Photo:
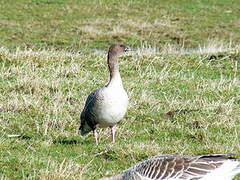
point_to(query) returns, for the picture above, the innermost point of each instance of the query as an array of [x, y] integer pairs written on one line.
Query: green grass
[[184, 101], [81, 25]]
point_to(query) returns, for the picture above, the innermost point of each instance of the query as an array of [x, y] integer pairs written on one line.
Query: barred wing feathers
[[177, 167]]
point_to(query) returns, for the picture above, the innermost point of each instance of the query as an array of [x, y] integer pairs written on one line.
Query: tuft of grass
[[63, 170], [180, 102]]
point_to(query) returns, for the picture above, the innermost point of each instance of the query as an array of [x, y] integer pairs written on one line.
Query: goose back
[[174, 167]]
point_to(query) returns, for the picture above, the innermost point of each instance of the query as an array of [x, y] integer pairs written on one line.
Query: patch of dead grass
[[67, 169]]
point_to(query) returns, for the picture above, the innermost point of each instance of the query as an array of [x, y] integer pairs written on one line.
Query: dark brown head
[[117, 49]]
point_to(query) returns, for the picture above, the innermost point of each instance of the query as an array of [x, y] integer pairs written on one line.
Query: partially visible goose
[[175, 167], [106, 106]]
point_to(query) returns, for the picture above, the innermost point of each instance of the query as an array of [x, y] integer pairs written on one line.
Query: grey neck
[[115, 78]]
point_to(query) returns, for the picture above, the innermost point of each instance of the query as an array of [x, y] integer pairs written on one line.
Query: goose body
[[175, 167], [106, 106], [113, 107], [109, 105]]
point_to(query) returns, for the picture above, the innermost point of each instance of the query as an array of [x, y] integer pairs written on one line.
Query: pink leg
[[95, 134], [113, 130]]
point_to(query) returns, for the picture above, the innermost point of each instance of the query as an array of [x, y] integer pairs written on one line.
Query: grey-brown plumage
[[106, 106], [175, 167]]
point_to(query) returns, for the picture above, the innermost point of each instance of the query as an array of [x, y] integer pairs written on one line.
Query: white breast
[[113, 107]]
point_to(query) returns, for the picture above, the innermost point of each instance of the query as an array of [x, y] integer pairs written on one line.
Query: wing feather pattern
[[178, 167], [88, 115]]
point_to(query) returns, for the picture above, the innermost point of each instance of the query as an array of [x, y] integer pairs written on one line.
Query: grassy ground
[[179, 103], [184, 101], [80, 24]]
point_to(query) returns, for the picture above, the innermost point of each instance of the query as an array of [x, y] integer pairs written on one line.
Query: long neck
[[115, 78]]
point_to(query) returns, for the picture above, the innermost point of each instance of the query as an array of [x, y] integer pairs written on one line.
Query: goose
[[106, 106], [176, 167]]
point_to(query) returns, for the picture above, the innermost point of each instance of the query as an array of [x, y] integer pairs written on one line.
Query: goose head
[[117, 49]]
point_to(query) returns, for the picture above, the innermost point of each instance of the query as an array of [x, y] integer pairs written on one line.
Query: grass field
[[182, 77], [82, 25]]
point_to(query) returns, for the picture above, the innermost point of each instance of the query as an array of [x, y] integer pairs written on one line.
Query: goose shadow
[[70, 142]]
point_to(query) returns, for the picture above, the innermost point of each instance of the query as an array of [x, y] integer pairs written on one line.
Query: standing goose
[[175, 167], [106, 106]]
